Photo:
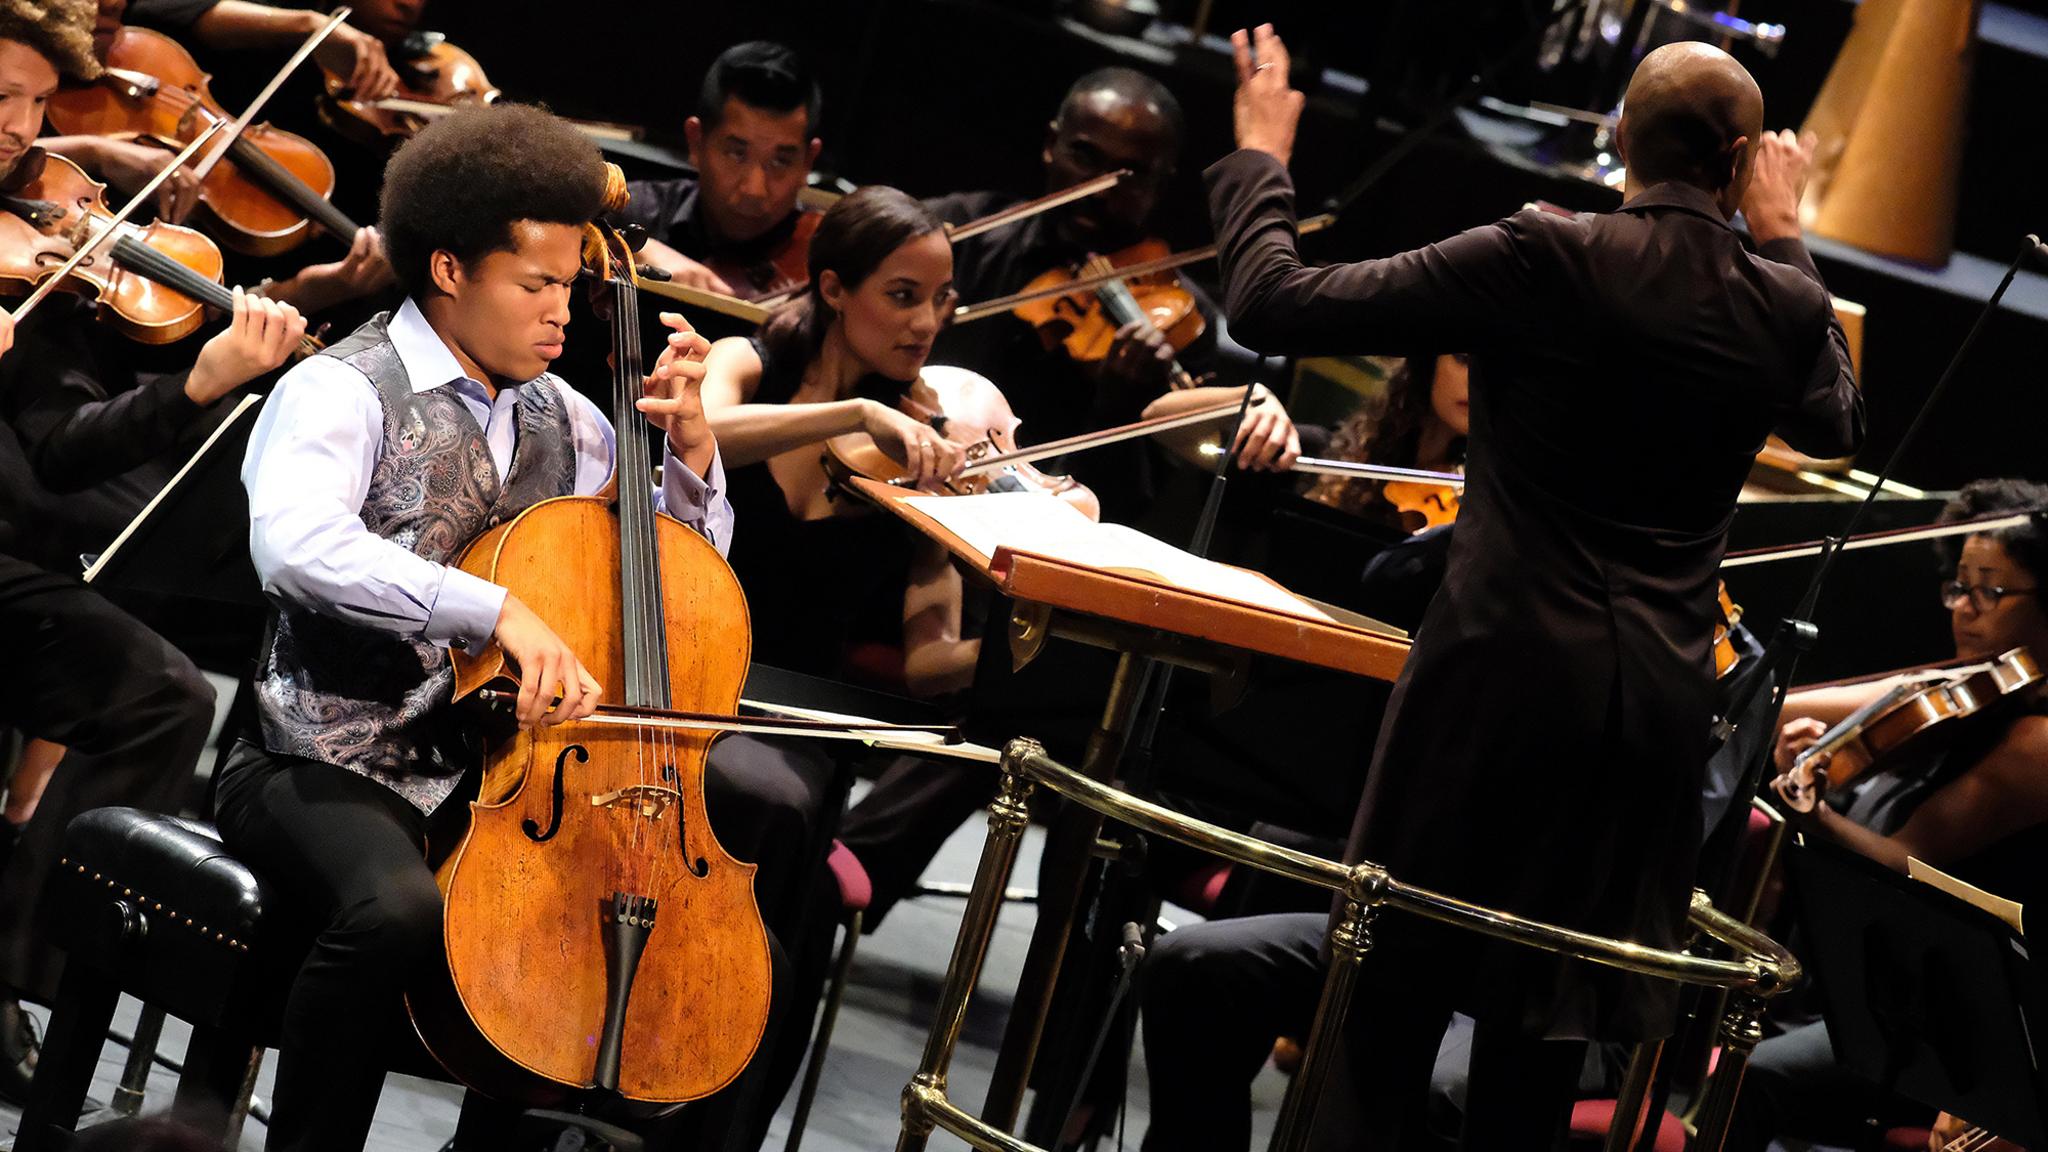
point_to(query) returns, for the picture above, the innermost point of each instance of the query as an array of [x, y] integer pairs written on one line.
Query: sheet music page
[[1968, 893], [1048, 526]]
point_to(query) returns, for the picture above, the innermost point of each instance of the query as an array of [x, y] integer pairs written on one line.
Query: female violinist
[[836, 361], [1978, 809], [1420, 421]]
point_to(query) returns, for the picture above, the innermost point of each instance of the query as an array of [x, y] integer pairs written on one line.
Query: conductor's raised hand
[[1777, 181], [674, 401], [1267, 108]]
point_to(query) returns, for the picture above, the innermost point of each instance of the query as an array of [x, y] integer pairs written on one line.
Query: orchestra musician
[[753, 140], [1978, 809], [1110, 119], [1544, 748], [1419, 422], [371, 463], [79, 408]]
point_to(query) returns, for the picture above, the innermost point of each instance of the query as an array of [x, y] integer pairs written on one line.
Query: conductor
[[1544, 745]]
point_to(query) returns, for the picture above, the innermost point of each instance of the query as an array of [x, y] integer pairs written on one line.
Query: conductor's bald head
[[1693, 114]]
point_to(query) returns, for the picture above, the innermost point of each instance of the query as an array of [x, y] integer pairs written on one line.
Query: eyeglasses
[[1983, 597]]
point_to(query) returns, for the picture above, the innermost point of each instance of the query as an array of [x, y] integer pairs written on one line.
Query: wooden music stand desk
[[1140, 618]]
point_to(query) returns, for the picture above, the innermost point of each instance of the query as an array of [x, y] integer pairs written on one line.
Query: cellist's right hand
[[927, 456], [547, 668]]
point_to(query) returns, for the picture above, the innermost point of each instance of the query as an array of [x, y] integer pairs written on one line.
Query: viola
[[1913, 716], [597, 935], [51, 208], [1084, 322], [782, 270], [968, 409], [265, 196], [435, 78]]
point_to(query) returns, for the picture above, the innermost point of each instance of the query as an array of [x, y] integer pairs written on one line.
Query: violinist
[[737, 227], [1544, 747], [1109, 119], [1978, 809], [128, 711], [356, 49], [370, 465], [1420, 421]]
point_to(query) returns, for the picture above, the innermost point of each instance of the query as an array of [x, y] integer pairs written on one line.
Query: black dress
[[1544, 747], [814, 587]]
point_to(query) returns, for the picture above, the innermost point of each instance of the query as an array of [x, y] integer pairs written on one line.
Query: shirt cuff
[[685, 495], [465, 611]]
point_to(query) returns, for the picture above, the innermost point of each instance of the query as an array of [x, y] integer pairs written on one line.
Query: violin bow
[[1002, 304], [1086, 440], [248, 115], [84, 251], [1881, 539], [1014, 214]]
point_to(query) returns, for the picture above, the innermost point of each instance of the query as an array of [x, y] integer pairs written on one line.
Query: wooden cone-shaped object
[[1890, 127]]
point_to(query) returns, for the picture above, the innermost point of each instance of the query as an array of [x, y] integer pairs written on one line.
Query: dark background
[[944, 95]]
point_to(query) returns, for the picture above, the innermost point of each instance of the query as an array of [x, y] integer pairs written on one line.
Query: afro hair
[[461, 184]]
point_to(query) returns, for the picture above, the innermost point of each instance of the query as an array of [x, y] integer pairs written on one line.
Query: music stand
[[1925, 995]]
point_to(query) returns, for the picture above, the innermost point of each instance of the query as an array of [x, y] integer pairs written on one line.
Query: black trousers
[[132, 711], [1796, 1089], [1216, 995]]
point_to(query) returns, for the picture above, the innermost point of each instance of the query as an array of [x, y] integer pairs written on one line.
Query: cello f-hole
[[532, 828]]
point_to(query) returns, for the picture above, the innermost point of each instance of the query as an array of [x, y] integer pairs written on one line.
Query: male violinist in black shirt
[[753, 141], [1110, 119]]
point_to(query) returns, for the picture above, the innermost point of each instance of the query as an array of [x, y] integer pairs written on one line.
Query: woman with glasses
[[1978, 810]]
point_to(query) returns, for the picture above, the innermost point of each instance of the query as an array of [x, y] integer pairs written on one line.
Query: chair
[[856, 892]]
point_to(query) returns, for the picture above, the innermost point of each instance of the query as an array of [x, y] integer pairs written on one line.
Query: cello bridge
[[649, 800]]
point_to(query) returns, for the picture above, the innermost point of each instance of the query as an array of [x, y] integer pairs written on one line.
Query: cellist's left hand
[[674, 402]]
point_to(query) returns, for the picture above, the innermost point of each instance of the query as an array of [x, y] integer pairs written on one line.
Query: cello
[[598, 937]]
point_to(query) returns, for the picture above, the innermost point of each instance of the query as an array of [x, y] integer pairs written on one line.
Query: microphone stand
[[1793, 637]]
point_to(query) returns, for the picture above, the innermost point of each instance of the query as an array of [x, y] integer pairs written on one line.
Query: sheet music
[[1048, 526], [1968, 893], [248, 401]]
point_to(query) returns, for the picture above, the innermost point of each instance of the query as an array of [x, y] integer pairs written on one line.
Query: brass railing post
[[1007, 816], [1350, 940], [1741, 1029]]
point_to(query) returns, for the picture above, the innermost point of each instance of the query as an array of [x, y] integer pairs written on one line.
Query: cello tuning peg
[[634, 235]]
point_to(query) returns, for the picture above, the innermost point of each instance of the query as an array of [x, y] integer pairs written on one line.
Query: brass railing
[[1760, 969]]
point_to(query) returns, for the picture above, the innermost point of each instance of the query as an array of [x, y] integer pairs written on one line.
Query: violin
[[784, 269], [1914, 716], [51, 208], [1726, 655], [968, 409], [435, 78], [264, 197], [1084, 322], [1422, 505], [597, 935]]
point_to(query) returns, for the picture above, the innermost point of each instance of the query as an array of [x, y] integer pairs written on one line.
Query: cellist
[[371, 465]]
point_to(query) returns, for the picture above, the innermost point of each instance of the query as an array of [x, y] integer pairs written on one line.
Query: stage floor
[[875, 1046]]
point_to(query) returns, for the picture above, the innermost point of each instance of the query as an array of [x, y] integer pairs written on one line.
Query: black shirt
[[88, 409]]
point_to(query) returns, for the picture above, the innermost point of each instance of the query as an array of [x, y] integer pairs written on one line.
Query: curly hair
[[461, 184], [1387, 431], [61, 30], [2027, 543]]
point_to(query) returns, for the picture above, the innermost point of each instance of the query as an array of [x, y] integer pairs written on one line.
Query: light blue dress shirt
[[308, 470]]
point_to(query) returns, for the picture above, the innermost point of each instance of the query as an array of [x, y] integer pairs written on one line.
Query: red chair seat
[[856, 891], [1592, 1118]]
